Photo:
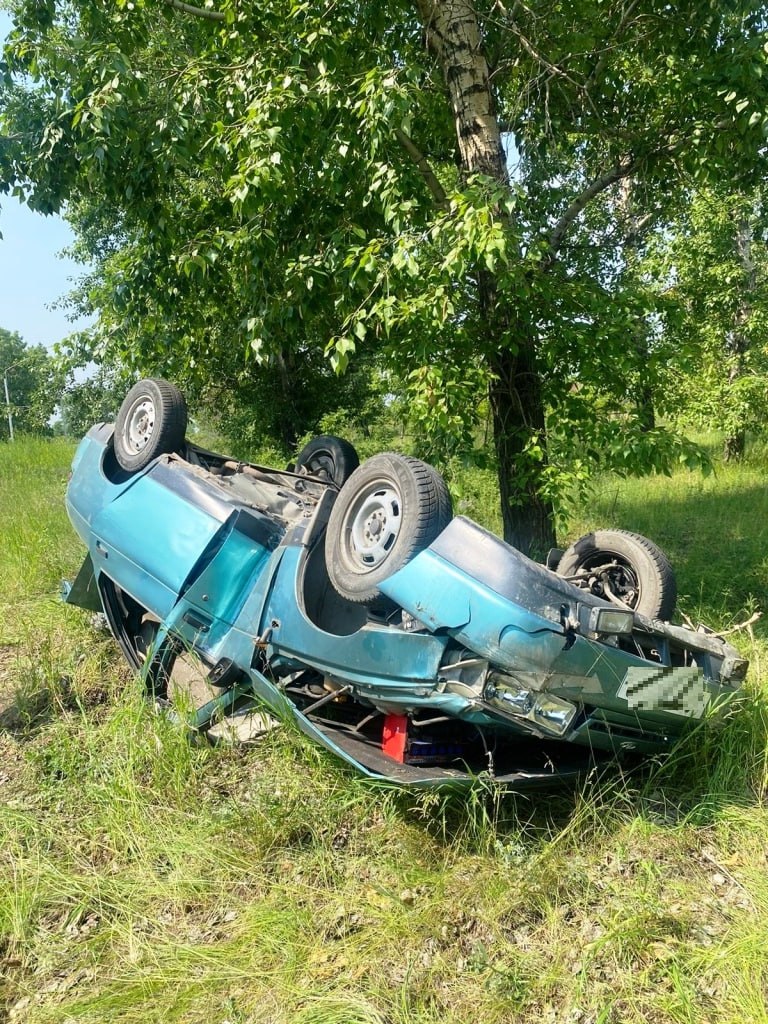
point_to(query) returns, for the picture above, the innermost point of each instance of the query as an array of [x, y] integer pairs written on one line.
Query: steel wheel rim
[[373, 526], [139, 424], [624, 583], [618, 573], [321, 465]]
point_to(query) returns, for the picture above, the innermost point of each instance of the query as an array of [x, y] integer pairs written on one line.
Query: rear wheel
[[330, 458], [623, 567], [392, 507], [152, 421]]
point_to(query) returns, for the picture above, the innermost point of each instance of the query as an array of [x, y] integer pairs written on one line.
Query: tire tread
[[342, 451]]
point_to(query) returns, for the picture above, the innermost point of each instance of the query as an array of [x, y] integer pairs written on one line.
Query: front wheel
[[623, 567], [152, 421], [392, 507]]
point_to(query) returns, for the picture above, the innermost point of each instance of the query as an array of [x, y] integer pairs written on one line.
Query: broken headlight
[[544, 710]]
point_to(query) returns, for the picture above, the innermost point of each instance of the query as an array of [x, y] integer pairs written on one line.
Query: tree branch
[[642, 226], [421, 162], [531, 50], [200, 12], [626, 166], [559, 231], [602, 59]]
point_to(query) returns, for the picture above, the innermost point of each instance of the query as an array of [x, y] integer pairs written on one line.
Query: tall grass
[[144, 879]]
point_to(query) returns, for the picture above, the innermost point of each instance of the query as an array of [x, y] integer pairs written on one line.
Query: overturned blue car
[[414, 645]]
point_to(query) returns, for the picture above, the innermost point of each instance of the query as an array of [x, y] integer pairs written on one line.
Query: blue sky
[[32, 273]]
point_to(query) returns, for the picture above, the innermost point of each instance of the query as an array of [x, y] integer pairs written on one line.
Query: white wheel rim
[[374, 525], [139, 424]]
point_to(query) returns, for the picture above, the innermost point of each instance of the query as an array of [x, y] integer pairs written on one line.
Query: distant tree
[[712, 265], [92, 399], [34, 385]]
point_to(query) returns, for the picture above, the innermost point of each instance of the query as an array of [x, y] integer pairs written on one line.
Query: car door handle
[[199, 622]]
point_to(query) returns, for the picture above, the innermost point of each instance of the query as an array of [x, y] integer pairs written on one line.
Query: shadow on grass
[[716, 766], [26, 710], [36, 688]]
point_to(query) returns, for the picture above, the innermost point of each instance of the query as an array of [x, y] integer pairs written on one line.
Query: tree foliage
[[33, 382], [711, 264], [266, 185], [93, 397]]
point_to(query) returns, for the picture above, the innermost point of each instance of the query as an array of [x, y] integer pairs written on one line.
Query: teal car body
[[476, 661]]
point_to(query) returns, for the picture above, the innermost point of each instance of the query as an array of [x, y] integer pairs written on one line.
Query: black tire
[[633, 567], [330, 458], [444, 500], [392, 507], [152, 421]]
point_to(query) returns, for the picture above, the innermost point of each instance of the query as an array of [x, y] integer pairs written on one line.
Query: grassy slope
[[142, 879]]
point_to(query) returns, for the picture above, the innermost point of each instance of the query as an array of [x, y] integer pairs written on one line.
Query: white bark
[[453, 33]]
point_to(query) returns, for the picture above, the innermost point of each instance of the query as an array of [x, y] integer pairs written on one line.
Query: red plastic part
[[394, 737]]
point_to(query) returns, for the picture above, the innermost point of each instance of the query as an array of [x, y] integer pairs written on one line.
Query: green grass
[[144, 879]]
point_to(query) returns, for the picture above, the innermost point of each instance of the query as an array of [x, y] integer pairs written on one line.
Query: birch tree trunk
[[515, 394], [737, 341]]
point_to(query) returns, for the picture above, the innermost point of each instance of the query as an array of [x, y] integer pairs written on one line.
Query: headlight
[[611, 621], [544, 710]]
